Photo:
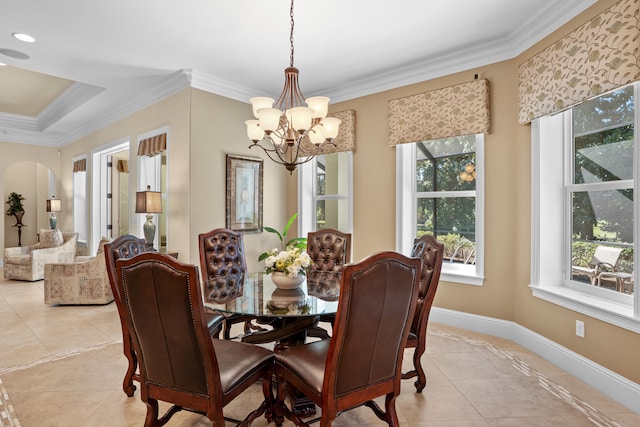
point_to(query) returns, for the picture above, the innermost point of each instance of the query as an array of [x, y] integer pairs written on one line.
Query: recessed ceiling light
[[14, 53], [2, 64], [24, 37]]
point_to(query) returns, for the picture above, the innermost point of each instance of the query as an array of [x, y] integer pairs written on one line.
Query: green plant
[[296, 242], [15, 203]]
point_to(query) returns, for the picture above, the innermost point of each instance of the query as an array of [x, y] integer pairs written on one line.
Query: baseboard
[[617, 387]]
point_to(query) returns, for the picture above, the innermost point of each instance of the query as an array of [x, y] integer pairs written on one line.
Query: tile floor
[[63, 366]]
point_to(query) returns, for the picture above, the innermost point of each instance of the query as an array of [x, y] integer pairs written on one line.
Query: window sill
[[456, 276], [617, 314]]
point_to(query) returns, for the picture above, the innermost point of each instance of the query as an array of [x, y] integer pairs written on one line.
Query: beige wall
[[218, 129]]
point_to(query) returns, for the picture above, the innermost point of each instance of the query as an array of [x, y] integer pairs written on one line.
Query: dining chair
[[123, 247], [363, 358], [431, 252], [223, 266], [180, 363], [329, 250]]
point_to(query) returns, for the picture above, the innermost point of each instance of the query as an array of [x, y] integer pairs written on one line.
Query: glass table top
[[257, 295]]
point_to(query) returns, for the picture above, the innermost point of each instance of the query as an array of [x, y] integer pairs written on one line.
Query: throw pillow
[[50, 238], [103, 242]]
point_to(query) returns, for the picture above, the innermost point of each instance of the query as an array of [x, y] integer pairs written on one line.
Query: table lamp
[[149, 202], [53, 205]]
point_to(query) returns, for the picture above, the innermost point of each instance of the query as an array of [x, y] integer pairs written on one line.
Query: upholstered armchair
[[27, 262], [84, 281]]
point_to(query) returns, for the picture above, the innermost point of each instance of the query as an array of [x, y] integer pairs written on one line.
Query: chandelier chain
[[291, 34]]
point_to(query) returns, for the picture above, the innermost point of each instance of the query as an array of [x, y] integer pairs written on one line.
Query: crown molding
[[73, 97], [171, 85], [546, 21], [212, 84], [18, 122]]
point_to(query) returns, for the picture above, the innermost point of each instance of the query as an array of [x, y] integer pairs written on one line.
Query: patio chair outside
[[605, 258]]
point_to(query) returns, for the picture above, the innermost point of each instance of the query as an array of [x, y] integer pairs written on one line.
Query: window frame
[[307, 195], [406, 206], [552, 150], [81, 203]]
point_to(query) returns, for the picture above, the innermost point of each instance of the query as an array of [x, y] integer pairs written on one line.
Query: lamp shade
[[54, 205], [148, 201]]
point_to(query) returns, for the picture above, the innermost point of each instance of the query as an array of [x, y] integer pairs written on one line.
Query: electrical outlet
[[580, 328]]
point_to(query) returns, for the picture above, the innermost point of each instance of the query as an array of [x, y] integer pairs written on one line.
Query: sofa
[[27, 262], [81, 282]]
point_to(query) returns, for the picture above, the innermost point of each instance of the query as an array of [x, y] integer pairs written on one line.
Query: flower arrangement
[[292, 261]]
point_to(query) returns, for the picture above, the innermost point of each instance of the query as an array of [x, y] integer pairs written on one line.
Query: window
[[325, 188], [440, 192], [80, 206], [584, 208]]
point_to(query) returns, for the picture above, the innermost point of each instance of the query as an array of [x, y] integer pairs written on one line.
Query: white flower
[[270, 261], [291, 261]]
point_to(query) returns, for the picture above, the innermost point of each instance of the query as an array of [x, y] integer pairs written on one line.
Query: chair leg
[[418, 371], [127, 385], [151, 419], [421, 382], [390, 408]]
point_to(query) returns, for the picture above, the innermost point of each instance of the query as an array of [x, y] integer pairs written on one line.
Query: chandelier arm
[[279, 150]]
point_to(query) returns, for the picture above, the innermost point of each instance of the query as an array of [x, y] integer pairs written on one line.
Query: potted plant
[[15, 206], [287, 265]]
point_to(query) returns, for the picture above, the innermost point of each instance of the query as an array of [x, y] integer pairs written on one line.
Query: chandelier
[[289, 132]]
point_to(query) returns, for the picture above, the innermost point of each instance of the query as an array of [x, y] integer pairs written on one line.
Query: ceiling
[[96, 62]]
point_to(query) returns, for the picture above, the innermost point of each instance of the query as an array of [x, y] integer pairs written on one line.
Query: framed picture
[[244, 194]]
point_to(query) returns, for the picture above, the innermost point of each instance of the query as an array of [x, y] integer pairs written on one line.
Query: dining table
[[273, 314]]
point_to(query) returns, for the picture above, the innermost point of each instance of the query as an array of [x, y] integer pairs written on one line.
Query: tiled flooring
[[63, 366]]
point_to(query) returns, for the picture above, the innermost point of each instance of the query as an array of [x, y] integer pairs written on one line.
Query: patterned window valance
[[599, 56], [451, 111], [123, 166], [80, 165], [152, 146], [346, 139]]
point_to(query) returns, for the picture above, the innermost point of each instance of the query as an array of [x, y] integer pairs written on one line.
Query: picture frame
[[244, 203]]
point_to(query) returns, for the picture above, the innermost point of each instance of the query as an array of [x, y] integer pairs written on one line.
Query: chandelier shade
[[291, 130]]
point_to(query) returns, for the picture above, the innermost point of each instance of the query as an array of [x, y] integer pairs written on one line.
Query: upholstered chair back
[[363, 359], [223, 264], [431, 252], [329, 249], [124, 247], [377, 303], [160, 346], [179, 361]]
